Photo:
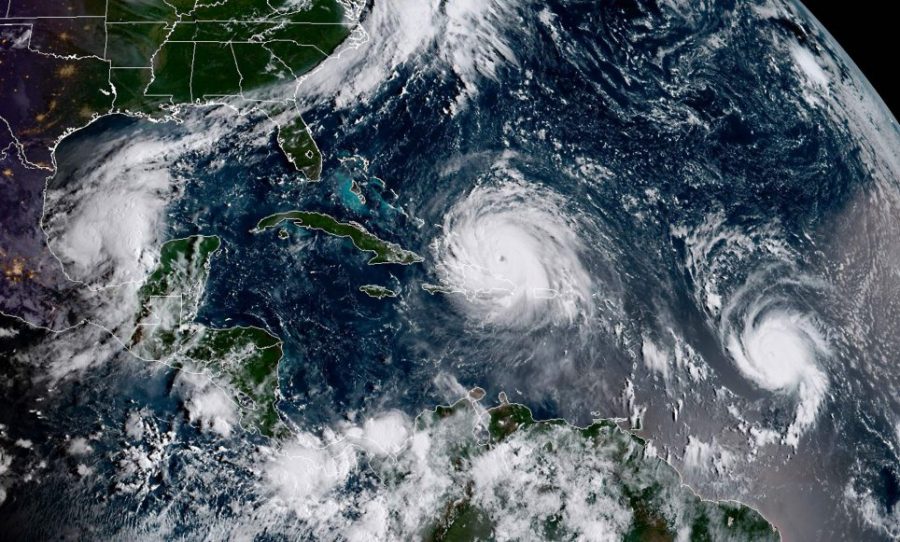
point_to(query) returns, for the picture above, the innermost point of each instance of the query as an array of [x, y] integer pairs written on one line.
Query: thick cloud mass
[[514, 256]]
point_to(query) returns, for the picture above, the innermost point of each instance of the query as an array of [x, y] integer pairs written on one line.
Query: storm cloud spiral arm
[[779, 347], [515, 258]]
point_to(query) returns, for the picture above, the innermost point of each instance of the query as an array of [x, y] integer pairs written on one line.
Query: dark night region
[[869, 36]]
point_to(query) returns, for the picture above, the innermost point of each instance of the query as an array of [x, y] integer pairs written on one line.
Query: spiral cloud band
[[514, 257], [778, 348]]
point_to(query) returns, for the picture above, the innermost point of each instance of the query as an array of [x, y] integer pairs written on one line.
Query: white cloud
[[773, 339], [707, 457], [512, 254], [134, 425], [873, 514], [656, 357], [5, 462], [106, 218], [70, 353], [340, 486], [779, 349], [686, 358], [309, 469], [809, 67], [79, 446], [206, 404], [142, 460], [762, 436], [465, 36], [523, 485], [386, 434]]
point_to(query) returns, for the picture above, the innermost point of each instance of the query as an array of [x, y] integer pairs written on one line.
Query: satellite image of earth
[[444, 270]]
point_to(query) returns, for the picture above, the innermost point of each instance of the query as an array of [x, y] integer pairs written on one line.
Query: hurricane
[[779, 347], [514, 258]]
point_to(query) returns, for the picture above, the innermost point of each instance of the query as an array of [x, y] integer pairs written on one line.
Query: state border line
[[8, 18], [30, 27], [225, 21], [27, 17], [106, 32]]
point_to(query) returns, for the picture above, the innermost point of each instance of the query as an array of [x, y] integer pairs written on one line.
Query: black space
[[867, 30]]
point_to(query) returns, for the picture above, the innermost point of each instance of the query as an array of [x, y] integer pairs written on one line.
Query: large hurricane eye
[[514, 255]]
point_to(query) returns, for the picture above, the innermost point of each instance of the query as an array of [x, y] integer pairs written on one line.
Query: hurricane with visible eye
[[514, 257], [779, 347]]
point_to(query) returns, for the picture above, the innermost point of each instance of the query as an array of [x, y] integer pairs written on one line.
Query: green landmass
[[182, 263], [384, 251], [297, 142], [377, 291], [146, 57], [242, 359], [661, 508]]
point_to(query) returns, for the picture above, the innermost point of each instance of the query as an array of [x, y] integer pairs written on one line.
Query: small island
[[362, 239], [436, 289], [377, 291]]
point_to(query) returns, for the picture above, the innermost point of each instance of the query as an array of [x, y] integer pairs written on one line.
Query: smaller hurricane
[[778, 347], [514, 255]]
